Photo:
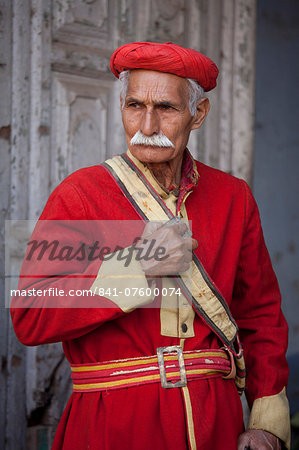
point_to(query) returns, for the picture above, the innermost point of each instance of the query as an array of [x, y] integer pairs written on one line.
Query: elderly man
[[185, 331]]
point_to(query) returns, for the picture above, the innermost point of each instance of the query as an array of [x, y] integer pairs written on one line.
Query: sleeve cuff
[[272, 414], [124, 284]]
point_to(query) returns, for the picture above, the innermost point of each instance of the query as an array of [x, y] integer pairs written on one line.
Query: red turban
[[166, 57]]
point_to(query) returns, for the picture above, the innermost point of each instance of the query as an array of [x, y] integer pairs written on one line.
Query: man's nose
[[150, 122]]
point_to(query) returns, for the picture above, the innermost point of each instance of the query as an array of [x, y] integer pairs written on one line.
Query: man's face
[[157, 102]]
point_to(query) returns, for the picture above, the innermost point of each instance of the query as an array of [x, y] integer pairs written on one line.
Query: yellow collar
[[189, 173]]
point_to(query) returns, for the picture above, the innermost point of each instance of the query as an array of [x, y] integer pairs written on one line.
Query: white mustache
[[155, 140]]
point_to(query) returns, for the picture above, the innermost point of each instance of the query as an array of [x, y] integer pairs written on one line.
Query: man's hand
[[177, 254], [258, 440]]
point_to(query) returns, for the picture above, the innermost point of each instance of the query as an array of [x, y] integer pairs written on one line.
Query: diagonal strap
[[226, 334], [201, 292]]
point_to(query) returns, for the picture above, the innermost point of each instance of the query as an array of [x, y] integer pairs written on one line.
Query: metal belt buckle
[[161, 362]]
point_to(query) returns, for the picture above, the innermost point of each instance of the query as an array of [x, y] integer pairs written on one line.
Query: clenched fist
[[169, 252]]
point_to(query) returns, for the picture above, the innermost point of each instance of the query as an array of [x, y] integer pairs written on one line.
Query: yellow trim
[[120, 364], [272, 414], [113, 273], [202, 371], [154, 377], [189, 416], [174, 311], [117, 382], [115, 365]]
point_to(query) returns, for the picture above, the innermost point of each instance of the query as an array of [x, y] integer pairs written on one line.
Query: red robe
[[226, 224]]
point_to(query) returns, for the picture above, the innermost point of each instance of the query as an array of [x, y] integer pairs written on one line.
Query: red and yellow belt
[[171, 366]]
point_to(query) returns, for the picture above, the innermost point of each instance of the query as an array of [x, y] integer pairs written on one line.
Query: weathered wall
[[276, 183], [60, 111], [5, 130]]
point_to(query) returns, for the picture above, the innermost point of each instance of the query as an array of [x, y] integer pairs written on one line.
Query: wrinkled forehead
[[157, 84]]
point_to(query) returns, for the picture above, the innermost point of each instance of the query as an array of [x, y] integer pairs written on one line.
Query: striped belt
[[171, 366]]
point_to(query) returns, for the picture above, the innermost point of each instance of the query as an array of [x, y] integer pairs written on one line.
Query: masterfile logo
[[71, 263]]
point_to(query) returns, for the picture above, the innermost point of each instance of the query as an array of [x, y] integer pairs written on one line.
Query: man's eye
[[133, 105], [166, 107]]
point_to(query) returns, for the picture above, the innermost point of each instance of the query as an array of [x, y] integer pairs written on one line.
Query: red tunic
[[226, 224]]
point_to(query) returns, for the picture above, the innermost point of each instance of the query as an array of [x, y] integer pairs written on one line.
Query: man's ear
[[202, 109]]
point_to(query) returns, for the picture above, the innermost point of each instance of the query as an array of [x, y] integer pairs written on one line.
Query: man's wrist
[[271, 413]]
